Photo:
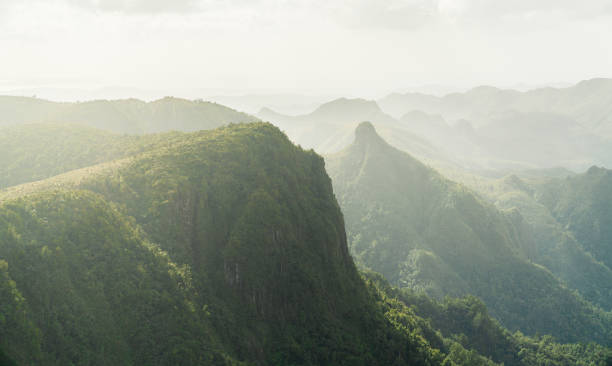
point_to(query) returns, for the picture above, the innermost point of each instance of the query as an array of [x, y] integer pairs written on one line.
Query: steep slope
[[122, 116], [583, 204], [255, 218], [85, 288], [257, 268], [424, 232], [552, 244]]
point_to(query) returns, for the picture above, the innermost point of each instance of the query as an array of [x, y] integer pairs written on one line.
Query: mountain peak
[[343, 103], [345, 110], [366, 133]]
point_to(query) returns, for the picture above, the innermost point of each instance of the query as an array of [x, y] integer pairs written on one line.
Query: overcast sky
[[358, 47]]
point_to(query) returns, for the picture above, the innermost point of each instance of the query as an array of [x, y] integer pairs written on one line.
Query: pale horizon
[[364, 48]]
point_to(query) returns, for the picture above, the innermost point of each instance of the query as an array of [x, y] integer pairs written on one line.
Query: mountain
[[218, 247], [330, 127], [286, 103], [484, 128], [544, 140], [222, 247], [424, 232], [587, 102], [541, 128], [459, 143], [122, 116]]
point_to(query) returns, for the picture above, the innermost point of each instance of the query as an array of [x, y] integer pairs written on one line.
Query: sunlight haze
[[366, 48]]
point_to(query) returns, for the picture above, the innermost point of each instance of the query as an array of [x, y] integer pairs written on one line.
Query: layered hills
[[587, 102], [483, 129], [540, 128]]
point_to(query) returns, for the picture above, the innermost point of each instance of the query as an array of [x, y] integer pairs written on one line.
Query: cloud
[[139, 6], [495, 10], [411, 15], [391, 14]]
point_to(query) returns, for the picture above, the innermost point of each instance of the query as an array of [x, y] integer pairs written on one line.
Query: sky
[[353, 47]]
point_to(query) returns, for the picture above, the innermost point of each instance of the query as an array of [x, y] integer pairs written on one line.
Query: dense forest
[[215, 247], [238, 273]]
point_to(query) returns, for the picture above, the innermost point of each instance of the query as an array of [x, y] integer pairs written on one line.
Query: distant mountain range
[[484, 128], [123, 116], [291, 104], [587, 102]]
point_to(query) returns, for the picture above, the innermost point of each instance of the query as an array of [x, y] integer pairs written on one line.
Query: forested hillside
[[33, 152], [583, 204], [552, 243], [257, 264], [465, 322], [81, 286], [215, 247], [424, 232]]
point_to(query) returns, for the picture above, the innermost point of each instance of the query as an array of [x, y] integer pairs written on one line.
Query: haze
[[366, 48]]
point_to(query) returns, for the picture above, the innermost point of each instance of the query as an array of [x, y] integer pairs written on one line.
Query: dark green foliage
[[256, 219], [548, 241], [37, 151], [17, 333], [258, 266], [5, 360], [583, 204], [33, 152], [89, 290], [468, 332]]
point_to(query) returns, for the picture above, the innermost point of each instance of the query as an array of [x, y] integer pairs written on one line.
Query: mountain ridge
[[130, 116]]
